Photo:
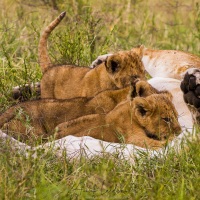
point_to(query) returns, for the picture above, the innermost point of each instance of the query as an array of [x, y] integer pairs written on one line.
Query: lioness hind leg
[[81, 126]]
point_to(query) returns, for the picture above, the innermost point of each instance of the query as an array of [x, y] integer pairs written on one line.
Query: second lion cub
[[68, 81]]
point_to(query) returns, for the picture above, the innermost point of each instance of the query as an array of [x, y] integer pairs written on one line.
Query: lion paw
[[24, 93], [99, 60], [190, 86]]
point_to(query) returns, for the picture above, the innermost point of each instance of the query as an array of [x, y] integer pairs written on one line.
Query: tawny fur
[[168, 64], [44, 59], [40, 117], [68, 81]]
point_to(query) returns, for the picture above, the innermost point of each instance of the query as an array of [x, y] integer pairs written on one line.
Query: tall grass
[[107, 177], [92, 28]]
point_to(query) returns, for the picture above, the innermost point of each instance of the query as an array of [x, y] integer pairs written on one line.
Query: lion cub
[[149, 119], [145, 122], [68, 81]]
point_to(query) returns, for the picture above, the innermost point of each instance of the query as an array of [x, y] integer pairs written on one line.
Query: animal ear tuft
[[141, 50], [167, 94]]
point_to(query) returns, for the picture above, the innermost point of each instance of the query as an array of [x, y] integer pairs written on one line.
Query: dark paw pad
[[188, 83], [190, 98], [191, 87]]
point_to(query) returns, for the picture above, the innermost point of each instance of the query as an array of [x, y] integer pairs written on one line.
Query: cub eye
[[166, 119], [142, 110]]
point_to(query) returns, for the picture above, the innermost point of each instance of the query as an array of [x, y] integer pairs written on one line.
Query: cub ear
[[142, 106], [112, 64], [140, 88], [139, 50], [133, 92]]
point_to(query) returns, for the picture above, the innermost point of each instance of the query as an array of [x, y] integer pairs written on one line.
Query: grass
[[92, 28]]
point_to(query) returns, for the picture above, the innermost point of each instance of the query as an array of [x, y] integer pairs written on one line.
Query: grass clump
[[175, 176]]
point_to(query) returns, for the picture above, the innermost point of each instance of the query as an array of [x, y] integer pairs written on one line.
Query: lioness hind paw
[[191, 81], [190, 86]]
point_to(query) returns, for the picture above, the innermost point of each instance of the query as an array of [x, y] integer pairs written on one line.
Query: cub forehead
[[164, 103], [167, 109]]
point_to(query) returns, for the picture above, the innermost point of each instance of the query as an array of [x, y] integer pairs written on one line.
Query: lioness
[[67, 81], [152, 118]]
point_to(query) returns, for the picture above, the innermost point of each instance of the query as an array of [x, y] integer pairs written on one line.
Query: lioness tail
[[44, 59]]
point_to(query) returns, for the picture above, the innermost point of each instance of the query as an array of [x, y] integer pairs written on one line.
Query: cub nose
[[177, 130]]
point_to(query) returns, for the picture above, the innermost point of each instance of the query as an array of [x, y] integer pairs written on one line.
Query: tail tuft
[[62, 15]]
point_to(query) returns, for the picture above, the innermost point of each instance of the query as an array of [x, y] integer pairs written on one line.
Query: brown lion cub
[[68, 81], [146, 122], [149, 119]]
